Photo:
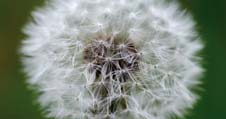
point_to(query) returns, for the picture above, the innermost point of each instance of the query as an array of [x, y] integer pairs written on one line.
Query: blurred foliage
[[17, 102]]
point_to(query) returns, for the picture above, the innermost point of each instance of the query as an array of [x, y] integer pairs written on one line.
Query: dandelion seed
[[112, 59]]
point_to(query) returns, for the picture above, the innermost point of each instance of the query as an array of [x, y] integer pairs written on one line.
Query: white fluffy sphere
[[112, 59]]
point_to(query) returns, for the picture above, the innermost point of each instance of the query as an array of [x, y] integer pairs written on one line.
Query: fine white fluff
[[164, 35]]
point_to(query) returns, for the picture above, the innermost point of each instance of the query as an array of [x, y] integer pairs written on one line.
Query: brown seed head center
[[113, 64]]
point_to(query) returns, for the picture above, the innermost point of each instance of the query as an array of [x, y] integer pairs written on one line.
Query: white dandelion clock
[[112, 59]]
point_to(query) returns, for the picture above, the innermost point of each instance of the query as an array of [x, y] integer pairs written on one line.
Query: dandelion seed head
[[108, 59]]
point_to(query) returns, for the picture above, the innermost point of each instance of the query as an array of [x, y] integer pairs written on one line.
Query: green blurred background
[[17, 102]]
